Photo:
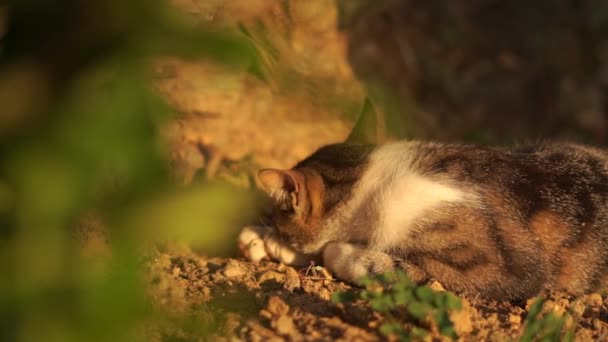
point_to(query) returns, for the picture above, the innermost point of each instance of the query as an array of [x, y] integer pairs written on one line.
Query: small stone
[[563, 302], [206, 293], [285, 326], [492, 318], [233, 269], [277, 306], [462, 318], [577, 307], [271, 276], [594, 299], [265, 314], [436, 286], [514, 319], [557, 308], [292, 279], [324, 294]]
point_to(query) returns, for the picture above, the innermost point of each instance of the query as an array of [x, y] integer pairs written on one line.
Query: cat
[[493, 222]]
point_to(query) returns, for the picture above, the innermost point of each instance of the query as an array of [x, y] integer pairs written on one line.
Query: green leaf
[[402, 278], [343, 297], [535, 309], [425, 294], [449, 332], [418, 310], [418, 332], [390, 328], [453, 302], [403, 297], [386, 278], [382, 304], [367, 282]]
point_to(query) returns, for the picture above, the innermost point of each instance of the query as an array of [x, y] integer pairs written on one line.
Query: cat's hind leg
[[351, 262]]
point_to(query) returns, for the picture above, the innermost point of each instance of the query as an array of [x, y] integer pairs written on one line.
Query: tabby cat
[[496, 222]]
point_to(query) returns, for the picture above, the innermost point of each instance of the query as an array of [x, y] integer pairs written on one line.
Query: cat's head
[[297, 211], [306, 198]]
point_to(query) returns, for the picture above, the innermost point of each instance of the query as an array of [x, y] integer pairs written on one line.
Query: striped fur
[[502, 223]]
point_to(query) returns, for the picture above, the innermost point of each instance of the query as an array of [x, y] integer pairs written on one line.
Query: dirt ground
[[234, 300], [228, 125]]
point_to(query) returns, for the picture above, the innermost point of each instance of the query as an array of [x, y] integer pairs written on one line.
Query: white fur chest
[[397, 194]]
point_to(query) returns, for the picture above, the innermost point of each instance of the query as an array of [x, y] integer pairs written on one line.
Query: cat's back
[[506, 222], [542, 209], [535, 163]]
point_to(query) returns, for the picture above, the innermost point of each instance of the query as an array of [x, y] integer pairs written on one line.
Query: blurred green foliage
[[79, 132], [545, 326], [398, 298]]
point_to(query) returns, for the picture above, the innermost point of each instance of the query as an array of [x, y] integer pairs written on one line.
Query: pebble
[[272, 276], [577, 307], [265, 314], [277, 306], [436, 286], [515, 319], [292, 279], [595, 299], [233, 269], [285, 326], [462, 318], [324, 294]]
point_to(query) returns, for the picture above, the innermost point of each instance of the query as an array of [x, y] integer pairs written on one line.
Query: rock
[[563, 302], [577, 307], [462, 318], [281, 320], [285, 326], [324, 294], [594, 299], [292, 279], [271, 276], [233, 269], [514, 319], [265, 314], [436, 286], [277, 306]]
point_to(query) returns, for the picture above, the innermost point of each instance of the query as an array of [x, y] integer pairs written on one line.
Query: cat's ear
[[370, 126], [281, 186]]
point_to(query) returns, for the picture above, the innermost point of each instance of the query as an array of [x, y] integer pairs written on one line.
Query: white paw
[[340, 258], [351, 262], [251, 243], [258, 243], [283, 253]]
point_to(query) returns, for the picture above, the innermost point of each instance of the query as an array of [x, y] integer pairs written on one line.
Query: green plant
[[398, 298], [545, 326], [78, 131]]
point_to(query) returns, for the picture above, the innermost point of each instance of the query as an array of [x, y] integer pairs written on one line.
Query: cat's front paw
[[251, 243], [280, 251], [259, 243]]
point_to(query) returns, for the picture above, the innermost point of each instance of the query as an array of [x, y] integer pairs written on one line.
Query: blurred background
[[129, 126]]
